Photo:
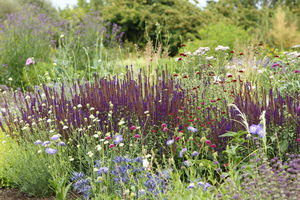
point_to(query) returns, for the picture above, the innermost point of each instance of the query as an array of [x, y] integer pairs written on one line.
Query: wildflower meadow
[[85, 113]]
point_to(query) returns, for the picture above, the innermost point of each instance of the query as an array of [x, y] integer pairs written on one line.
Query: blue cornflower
[[51, 151], [77, 175], [170, 142], [55, 137], [102, 170], [195, 153], [61, 144], [191, 186], [257, 129], [253, 129], [46, 143], [118, 139], [38, 142], [187, 163], [190, 128], [182, 152], [205, 186]]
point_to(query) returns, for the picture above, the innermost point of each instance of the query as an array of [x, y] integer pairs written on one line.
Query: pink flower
[[165, 129], [296, 71], [111, 146], [208, 142], [164, 125], [137, 136], [181, 131], [199, 145], [177, 138], [298, 140], [29, 61], [133, 128], [108, 138], [213, 146]]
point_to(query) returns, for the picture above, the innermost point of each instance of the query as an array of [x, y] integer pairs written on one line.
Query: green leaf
[[283, 145]]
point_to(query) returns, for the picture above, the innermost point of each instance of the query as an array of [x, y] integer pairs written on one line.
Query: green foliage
[[166, 19], [223, 34], [27, 169], [22, 37]]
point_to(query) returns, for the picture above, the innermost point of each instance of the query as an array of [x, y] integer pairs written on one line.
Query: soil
[[15, 194]]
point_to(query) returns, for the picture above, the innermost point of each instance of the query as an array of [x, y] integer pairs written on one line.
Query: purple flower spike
[[51, 151]]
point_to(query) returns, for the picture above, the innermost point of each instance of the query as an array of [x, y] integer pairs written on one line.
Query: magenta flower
[[29, 61], [208, 142], [213, 146], [108, 138], [165, 129], [177, 138], [137, 136], [133, 128], [111, 146], [164, 125], [298, 140], [296, 71]]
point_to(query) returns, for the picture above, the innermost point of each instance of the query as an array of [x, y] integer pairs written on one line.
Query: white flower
[[260, 71], [92, 108], [10, 79], [95, 136], [146, 164], [61, 36], [65, 127], [90, 154], [127, 191], [79, 106], [105, 142], [102, 140], [148, 156], [40, 151], [121, 144], [271, 77], [71, 159], [3, 141], [217, 79], [146, 112], [92, 116], [209, 58], [95, 169], [49, 120], [27, 97], [98, 147]]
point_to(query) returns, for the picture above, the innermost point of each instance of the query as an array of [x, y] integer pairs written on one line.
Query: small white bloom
[[127, 191], [27, 97], [102, 140], [61, 36], [65, 127], [49, 120], [71, 159], [79, 106], [209, 58], [121, 144], [98, 147], [90, 154], [146, 164], [3, 141], [92, 108], [146, 112], [39, 151], [271, 77], [10, 79], [95, 136], [148, 156], [92, 116], [95, 169], [105, 142]]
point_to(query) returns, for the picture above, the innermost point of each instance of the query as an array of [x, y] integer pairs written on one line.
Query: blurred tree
[[8, 6], [164, 20]]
